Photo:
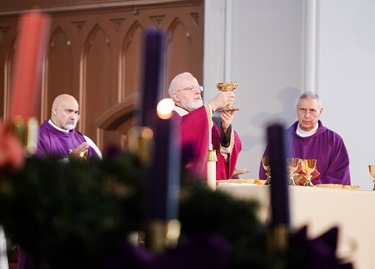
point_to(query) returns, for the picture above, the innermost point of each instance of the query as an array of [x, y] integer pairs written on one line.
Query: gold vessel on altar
[[371, 168], [226, 87]]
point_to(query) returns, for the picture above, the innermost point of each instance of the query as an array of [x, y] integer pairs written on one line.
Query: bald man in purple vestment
[[198, 129], [310, 139], [58, 137]]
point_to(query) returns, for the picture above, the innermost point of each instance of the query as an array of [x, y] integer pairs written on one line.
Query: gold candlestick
[[163, 234], [27, 133], [140, 143]]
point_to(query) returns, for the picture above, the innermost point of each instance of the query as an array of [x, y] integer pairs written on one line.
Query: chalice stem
[[308, 181], [268, 174]]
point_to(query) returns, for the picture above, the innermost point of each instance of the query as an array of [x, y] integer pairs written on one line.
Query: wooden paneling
[[95, 54]]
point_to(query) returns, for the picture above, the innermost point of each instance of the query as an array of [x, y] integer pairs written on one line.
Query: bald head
[[64, 98], [65, 112]]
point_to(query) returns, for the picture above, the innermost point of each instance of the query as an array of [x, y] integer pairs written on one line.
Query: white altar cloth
[[322, 209]]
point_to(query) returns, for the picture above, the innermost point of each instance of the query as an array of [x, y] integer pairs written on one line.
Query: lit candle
[[279, 183], [165, 172], [3, 249], [211, 168], [153, 55], [30, 48]]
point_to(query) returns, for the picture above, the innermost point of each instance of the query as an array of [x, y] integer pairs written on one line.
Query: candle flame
[[164, 108]]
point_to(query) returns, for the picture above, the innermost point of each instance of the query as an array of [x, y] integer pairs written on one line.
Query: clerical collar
[[303, 133], [56, 127], [180, 111]]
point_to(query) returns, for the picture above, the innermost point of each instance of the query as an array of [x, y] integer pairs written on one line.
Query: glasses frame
[[305, 111], [191, 89]]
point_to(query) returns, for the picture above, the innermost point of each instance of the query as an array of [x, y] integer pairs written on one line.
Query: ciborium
[[371, 169], [226, 87], [308, 167], [292, 168], [267, 168]]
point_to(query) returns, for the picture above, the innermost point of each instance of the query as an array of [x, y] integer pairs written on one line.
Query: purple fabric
[[327, 147], [203, 252], [129, 256], [26, 261], [207, 251], [52, 142], [315, 253], [211, 251]]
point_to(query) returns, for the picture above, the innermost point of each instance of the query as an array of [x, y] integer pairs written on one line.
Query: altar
[[322, 209]]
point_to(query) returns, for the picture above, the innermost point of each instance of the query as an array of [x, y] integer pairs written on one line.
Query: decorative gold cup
[[292, 168], [267, 167], [308, 167], [226, 87], [371, 169]]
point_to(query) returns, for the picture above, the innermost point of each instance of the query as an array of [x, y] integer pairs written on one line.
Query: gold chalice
[[292, 168], [308, 167], [267, 167], [371, 168], [225, 87]]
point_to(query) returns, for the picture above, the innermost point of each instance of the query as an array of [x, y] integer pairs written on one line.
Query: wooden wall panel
[[179, 41], [95, 54], [96, 77], [8, 34], [58, 69], [131, 61]]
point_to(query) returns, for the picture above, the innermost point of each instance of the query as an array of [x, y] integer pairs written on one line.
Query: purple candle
[[279, 181], [151, 83], [165, 172]]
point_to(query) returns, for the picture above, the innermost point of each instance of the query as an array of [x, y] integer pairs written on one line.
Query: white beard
[[191, 105]]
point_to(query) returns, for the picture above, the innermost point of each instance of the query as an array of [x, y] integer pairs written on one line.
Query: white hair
[[173, 87]]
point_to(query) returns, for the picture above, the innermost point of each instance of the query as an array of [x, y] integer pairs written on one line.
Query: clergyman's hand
[[80, 151], [222, 100], [226, 119]]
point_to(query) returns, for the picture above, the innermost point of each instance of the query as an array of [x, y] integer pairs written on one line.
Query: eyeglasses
[[304, 111], [191, 89]]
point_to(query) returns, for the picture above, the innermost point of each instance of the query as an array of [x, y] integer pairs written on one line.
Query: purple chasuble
[[53, 142], [327, 147]]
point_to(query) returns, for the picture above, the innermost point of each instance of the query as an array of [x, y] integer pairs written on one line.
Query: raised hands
[[80, 151], [222, 100], [226, 118]]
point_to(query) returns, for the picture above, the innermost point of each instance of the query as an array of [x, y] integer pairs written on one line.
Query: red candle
[[30, 48]]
